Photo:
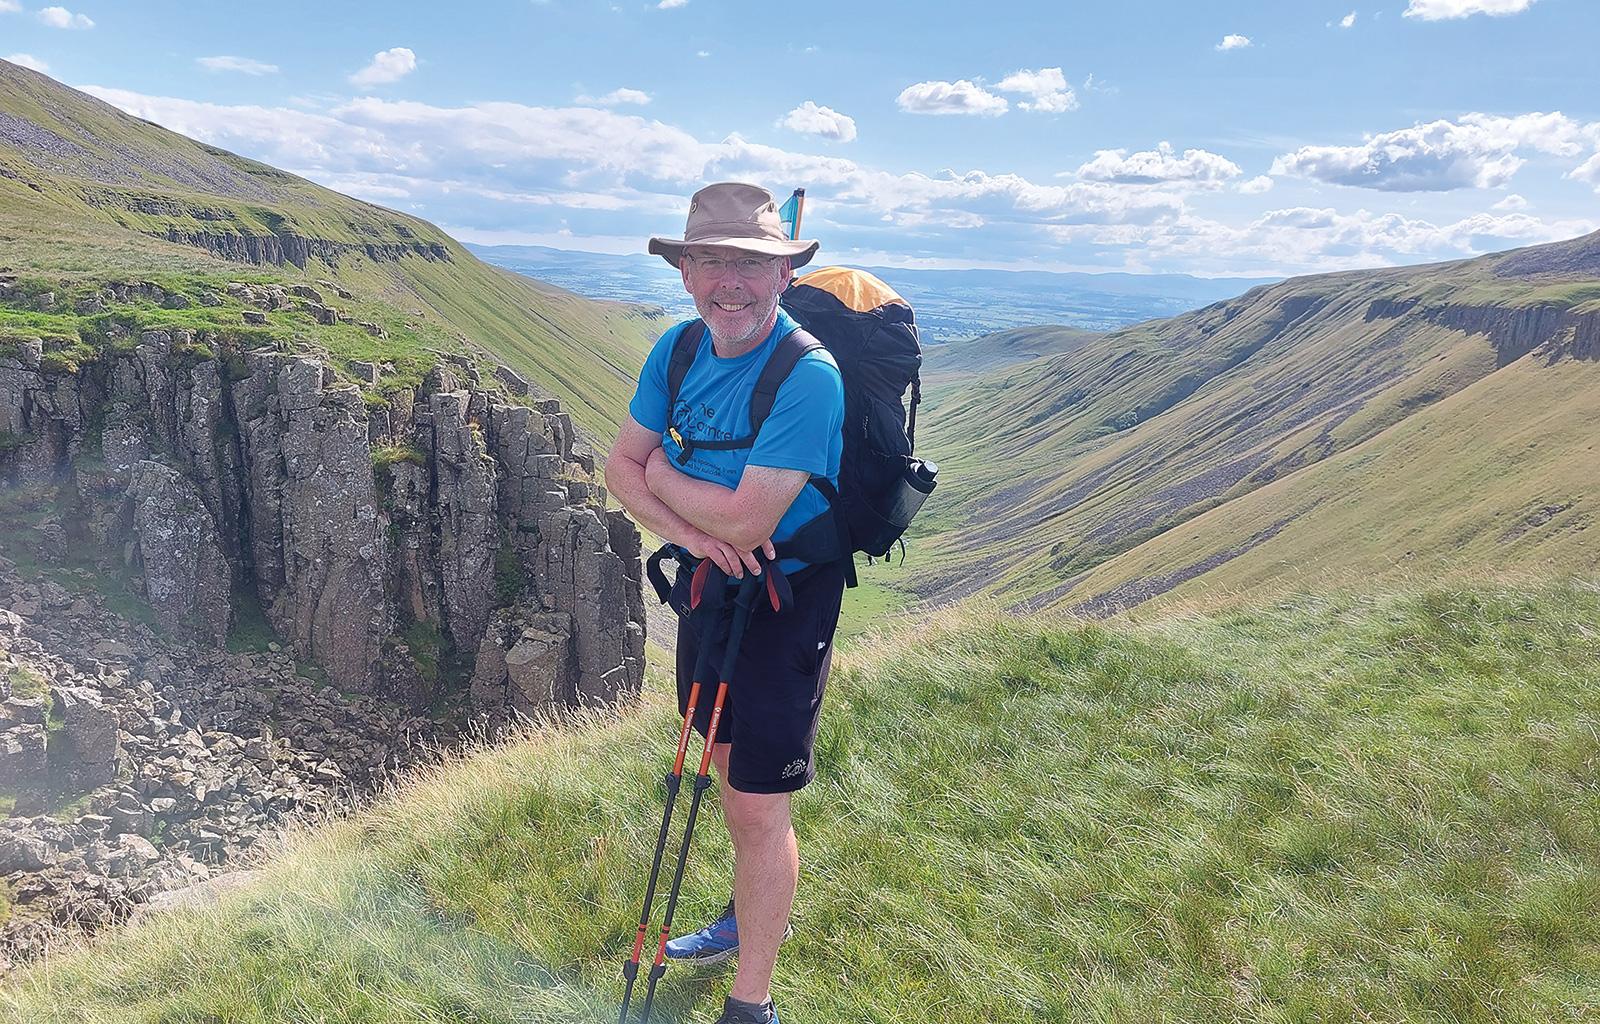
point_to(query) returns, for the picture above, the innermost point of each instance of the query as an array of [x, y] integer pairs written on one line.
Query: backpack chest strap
[[789, 351]]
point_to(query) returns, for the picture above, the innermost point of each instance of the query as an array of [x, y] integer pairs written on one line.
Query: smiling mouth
[[733, 307]]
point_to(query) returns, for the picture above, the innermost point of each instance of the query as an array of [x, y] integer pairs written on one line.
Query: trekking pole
[[741, 618], [630, 970]]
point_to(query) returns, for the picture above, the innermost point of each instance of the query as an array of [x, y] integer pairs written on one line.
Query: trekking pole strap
[[652, 570]]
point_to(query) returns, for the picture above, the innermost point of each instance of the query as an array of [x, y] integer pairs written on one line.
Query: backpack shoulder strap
[[792, 347], [779, 364], [683, 353]]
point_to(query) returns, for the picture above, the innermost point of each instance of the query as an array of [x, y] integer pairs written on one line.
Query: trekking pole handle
[[749, 586]]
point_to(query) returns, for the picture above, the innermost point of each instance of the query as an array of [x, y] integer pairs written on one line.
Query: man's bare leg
[[766, 870]]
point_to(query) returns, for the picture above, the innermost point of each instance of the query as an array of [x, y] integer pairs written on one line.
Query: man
[[726, 505]]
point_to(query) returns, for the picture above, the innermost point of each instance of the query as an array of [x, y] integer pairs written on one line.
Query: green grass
[[426, 645], [249, 631], [877, 603], [73, 340], [385, 455], [1329, 809], [510, 581], [26, 683]]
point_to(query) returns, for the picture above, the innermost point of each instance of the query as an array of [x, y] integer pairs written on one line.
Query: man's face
[[737, 303]]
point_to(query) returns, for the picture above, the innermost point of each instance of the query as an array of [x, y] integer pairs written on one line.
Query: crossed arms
[[723, 524]]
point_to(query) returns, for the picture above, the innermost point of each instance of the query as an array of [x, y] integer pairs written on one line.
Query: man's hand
[[727, 557]]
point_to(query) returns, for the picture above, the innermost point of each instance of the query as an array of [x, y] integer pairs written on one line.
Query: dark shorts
[[775, 696]]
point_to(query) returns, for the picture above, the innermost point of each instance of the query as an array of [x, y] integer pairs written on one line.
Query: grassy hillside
[[1501, 474], [1084, 471], [1345, 808], [88, 194], [944, 363]]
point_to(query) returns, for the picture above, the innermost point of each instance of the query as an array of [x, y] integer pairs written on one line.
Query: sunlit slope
[[1501, 475], [88, 191], [1058, 465]]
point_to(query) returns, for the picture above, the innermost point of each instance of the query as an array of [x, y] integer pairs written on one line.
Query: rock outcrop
[[186, 575], [300, 250], [254, 473]]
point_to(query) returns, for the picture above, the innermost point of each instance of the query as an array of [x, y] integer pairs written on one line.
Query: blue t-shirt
[[803, 430]]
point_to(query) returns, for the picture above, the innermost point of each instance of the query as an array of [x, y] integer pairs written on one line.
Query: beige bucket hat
[[737, 215]]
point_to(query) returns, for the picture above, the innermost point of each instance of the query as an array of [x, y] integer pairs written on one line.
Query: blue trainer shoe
[[712, 944]]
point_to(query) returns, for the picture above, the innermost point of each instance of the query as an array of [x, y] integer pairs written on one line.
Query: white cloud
[[28, 60], [1588, 171], [60, 17], [618, 98], [1047, 87], [1511, 202], [1255, 186], [1159, 166], [243, 65], [508, 149], [1092, 84], [1300, 239], [1233, 42], [386, 66], [1348, 20], [608, 173], [1440, 10], [823, 122], [1478, 151], [10, 7], [667, 5], [959, 97], [702, 53]]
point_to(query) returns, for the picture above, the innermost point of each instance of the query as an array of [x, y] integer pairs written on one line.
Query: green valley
[[1348, 425]]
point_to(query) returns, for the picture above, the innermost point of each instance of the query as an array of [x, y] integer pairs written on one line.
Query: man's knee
[[755, 815]]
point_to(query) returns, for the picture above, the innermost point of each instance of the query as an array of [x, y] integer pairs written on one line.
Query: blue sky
[[1218, 138]]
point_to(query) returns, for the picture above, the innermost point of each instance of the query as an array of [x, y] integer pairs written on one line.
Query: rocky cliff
[[440, 512], [237, 588], [300, 250]]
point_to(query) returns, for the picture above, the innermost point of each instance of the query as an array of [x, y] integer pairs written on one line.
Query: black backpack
[[872, 335]]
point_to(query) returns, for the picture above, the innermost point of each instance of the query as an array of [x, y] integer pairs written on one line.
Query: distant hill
[[951, 305], [1355, 423], [1001, 349], [87, 190]]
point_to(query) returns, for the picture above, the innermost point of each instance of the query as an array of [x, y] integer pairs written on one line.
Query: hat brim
[[798, 251]]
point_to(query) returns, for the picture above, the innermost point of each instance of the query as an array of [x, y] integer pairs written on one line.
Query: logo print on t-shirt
[[695, 425]]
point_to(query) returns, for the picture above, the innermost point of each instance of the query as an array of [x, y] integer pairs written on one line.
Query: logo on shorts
[[795, 767]]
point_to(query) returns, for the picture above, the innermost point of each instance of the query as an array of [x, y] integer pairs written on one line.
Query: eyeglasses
[[747, 266]]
